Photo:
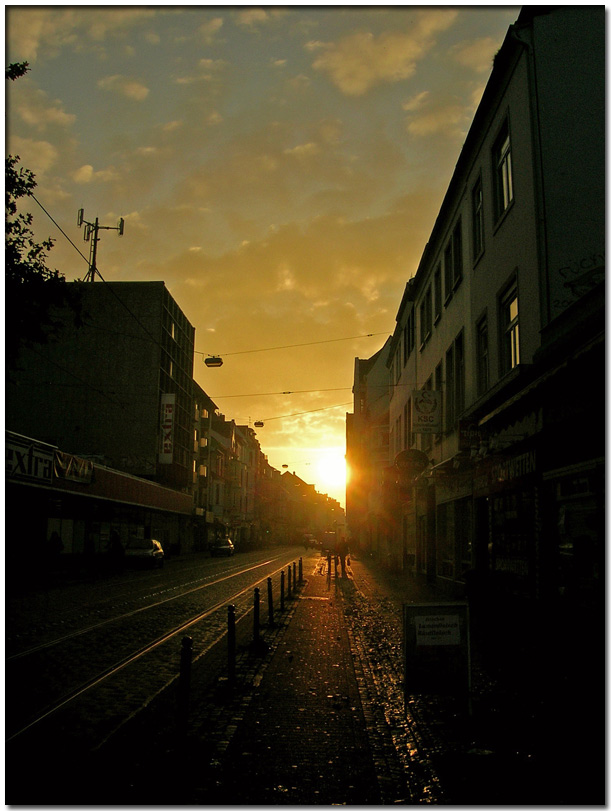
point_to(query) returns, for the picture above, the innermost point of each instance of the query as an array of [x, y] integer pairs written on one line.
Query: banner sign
[[166, 450], [426, 412], [69, 467], [437, 648], [28, 460]]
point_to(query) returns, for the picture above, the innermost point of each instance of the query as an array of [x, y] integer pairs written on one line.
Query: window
[[437, 293], [510, 326], [409, 337], [450, 388], [439, 388], [459, 375], [503, 171], [448, 270], [407, 422], [481, 349], [427, 439], [457, 253], [455, 382], [477, 212], [426, 317], [452, 262]]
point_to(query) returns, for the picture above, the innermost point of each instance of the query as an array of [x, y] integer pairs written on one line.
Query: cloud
[[209, 29], [35, 30], [252, 16], [124, 86], [38, 156], [430, 114], [362, 60], [35, 109], [86, 174], [477, 55]]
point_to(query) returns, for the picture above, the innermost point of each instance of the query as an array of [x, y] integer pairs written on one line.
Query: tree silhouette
[[33, 292]]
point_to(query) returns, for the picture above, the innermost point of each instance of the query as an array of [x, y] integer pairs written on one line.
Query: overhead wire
[[226, 354]]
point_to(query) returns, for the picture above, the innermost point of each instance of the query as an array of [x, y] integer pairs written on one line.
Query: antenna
[[93, 228]]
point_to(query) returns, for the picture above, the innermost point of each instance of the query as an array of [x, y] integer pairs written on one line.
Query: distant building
[[367, 456]]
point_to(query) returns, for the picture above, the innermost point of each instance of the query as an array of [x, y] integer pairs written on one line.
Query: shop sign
[[495, 472], [437, 648], [426, 411], [28, 460], [453, 486], [71, 468], [168, 403], [469, 435]]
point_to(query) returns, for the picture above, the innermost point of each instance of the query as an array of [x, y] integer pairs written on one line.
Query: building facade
[[496, 453], [118, 387]]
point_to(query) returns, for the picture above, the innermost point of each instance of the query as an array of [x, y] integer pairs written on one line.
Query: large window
[[477, 213], [455, 382], [510, 330], [450, 388], [503, 171], [481, 349]]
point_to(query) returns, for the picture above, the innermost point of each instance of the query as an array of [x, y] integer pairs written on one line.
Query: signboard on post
[[426, 411], [437, 648], [166, 449]]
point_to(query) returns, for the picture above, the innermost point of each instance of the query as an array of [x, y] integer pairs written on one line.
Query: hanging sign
[[166, 450], [426, 412]]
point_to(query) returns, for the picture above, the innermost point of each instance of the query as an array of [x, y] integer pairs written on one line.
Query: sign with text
[[27, 459], [437, 648], [166, 450], [426, 412]]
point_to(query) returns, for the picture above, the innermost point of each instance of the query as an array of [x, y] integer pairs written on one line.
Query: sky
[[279, 168]]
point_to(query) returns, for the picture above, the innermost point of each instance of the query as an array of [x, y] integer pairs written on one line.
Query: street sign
[[437, 648]]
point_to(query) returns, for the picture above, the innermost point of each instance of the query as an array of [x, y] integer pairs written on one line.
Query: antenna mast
[[91, 233]]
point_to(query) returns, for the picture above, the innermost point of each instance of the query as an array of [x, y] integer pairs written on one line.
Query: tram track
[[101, 695]]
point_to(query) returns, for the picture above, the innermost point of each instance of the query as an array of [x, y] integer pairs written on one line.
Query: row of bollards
[[186, 653]]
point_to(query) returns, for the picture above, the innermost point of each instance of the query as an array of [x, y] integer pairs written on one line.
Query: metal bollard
[[282, 590], [255, 624], [270, 603], [300, 571], [184, 682], [231, 642], [294, 576], [289, 587]]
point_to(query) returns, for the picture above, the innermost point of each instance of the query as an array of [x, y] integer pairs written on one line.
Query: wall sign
[[437, 648], [426, 412]]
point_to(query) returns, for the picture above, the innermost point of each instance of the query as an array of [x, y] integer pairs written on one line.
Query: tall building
[[496, 364], [118, 388]]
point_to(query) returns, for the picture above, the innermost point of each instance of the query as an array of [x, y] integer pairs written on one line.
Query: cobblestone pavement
[[317, 716]]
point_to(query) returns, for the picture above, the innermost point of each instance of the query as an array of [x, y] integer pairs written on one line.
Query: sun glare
[[331, 468]]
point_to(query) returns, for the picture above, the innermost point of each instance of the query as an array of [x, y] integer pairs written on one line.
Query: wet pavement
[[317, 716]]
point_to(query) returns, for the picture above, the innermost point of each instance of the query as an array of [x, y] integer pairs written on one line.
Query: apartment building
[[496, 449]]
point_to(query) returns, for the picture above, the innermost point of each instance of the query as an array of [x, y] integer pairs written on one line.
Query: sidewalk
[[303, 737]]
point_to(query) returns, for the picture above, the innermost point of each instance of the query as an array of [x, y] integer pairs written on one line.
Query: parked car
[[145, 552], [223, 546]]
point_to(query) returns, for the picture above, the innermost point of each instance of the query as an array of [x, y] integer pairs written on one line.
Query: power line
[[292, 346], [299, 413]]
